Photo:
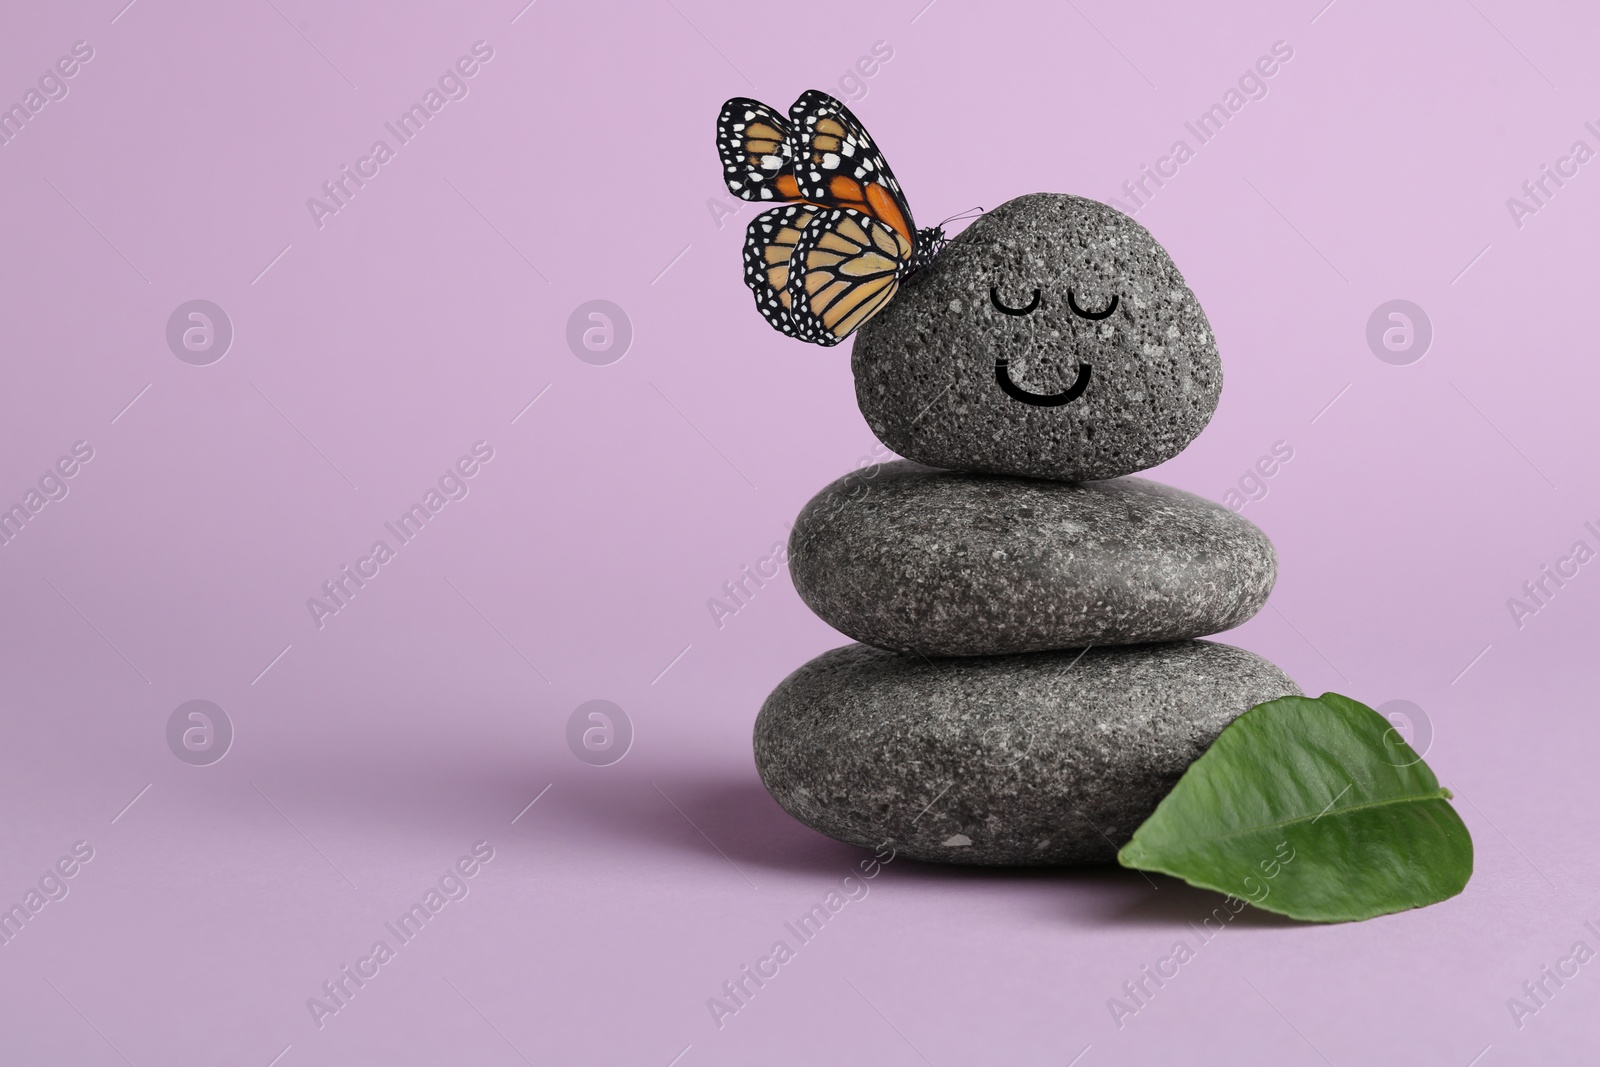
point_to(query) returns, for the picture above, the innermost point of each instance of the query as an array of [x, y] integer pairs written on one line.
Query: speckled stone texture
[[1044, 758], [925, 366], [910, 558]]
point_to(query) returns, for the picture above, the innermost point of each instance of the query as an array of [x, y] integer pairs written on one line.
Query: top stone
[[1054, 338]]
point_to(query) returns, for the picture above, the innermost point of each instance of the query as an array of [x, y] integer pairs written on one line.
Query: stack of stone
[[1029, 684]]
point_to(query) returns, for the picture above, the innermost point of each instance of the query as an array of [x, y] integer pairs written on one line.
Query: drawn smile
[[1002, 374]]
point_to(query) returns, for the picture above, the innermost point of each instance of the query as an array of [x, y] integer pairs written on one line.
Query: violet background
[[426, 715]]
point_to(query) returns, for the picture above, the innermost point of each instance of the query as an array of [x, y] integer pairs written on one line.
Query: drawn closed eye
[[994, 298], [1093, 316]]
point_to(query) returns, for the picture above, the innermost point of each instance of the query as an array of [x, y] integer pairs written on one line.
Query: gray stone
[[1044, 758], [943, 563], [927, 367]]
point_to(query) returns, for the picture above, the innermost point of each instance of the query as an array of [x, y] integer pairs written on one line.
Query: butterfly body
[[843, 239]]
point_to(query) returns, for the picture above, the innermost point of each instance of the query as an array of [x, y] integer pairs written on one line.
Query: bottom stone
[[1036, 759]]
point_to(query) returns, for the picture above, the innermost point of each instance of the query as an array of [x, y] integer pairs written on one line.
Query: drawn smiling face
[[1053, 338], [1002, 363]]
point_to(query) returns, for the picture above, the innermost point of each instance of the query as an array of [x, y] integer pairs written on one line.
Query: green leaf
[[1313, 808]]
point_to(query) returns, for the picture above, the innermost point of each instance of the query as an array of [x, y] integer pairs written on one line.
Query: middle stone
[[913, 559]]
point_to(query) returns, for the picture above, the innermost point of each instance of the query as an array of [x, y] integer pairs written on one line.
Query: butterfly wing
[[834, 254], [836, 163], [757, 150], [844, 268], [769, 245]]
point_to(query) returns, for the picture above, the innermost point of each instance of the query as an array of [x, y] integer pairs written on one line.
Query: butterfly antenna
[[931, 240], [970, 213]]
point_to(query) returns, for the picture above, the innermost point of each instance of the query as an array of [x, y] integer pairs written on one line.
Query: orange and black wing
[[769, 245], [836, 252], [845, 267], [757, 150], [836, 163]]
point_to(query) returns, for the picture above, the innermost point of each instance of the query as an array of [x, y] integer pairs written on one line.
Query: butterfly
[[842, 239]]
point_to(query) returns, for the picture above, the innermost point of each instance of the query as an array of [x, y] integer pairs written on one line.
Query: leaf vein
[[1439, 794]]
